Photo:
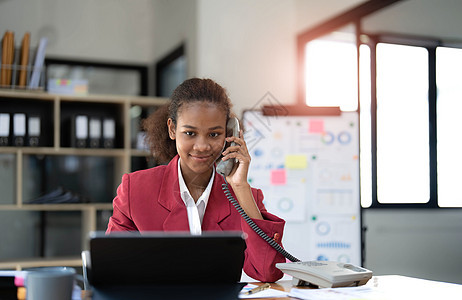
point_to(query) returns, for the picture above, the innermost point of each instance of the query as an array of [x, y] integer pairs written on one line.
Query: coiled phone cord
[[254, 226]]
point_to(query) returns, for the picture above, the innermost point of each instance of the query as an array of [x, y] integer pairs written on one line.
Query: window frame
[[165, 62], [354, 16], [430, 44]]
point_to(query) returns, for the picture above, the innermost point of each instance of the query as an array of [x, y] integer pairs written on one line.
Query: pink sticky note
[[278, 177], [316, 126], [19, 280]]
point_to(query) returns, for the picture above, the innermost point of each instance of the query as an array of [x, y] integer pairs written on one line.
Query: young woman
[[186, 194]]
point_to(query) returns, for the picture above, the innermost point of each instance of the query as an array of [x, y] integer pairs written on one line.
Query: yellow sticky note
[[296, 161]]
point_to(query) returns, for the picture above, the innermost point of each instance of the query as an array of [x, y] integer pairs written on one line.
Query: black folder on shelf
[[33, 130], [79, 131], [109, 133], [5, 129], [94, 132], [19, 129]]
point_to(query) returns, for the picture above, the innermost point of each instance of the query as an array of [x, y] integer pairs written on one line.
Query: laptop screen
[[165, 258]]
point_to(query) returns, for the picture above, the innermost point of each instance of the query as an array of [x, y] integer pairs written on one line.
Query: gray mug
[[51, 283]]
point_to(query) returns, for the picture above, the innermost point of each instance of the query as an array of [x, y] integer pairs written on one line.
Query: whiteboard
[[308, 170]]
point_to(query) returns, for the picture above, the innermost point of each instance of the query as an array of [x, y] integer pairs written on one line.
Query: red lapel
[[169, 197], [218, 207]]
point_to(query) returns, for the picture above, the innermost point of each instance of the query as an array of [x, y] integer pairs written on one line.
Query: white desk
[[388, 287]]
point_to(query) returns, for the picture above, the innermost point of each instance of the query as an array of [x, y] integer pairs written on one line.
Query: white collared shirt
[[196, 210]]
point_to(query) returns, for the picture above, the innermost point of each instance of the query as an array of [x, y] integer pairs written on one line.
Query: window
[[402, 124], [331, 76], [171, 71], [331, 79], [365, 129], [409, 147], [415, 158], [449, 143]]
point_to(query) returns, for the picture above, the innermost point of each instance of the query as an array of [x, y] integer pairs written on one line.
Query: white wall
[[313, 12], [250, 46], [423, 243], [419, 17], [175, 22], [132, 32], [102, 30]]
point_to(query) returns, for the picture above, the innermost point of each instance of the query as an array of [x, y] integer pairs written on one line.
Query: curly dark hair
[[195, 89]]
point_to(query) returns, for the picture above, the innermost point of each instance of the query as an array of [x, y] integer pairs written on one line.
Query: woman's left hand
[[238, 176]]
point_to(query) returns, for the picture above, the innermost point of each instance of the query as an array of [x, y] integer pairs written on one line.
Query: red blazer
[[149, 200]]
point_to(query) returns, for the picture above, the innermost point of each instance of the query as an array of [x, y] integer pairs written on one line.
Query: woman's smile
[[201, 157]]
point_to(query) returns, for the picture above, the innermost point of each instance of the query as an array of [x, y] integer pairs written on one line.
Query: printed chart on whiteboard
[[308, 170]]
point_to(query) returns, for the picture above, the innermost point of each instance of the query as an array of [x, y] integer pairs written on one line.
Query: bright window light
[[402, 124], [449, 143], [331, 74], [365, 125]]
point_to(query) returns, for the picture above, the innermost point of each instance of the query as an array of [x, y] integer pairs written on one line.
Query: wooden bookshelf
[[55, 111]]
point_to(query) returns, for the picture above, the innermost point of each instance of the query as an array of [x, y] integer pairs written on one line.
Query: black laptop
[[166, 264]]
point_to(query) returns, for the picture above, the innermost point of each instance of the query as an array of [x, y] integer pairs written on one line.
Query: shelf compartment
[[140, 155], [92, 178], [8, 174], [69, 110], [42, 234], [39, 107]]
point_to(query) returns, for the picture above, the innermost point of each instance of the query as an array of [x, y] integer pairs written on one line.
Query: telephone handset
[[225, 167]]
